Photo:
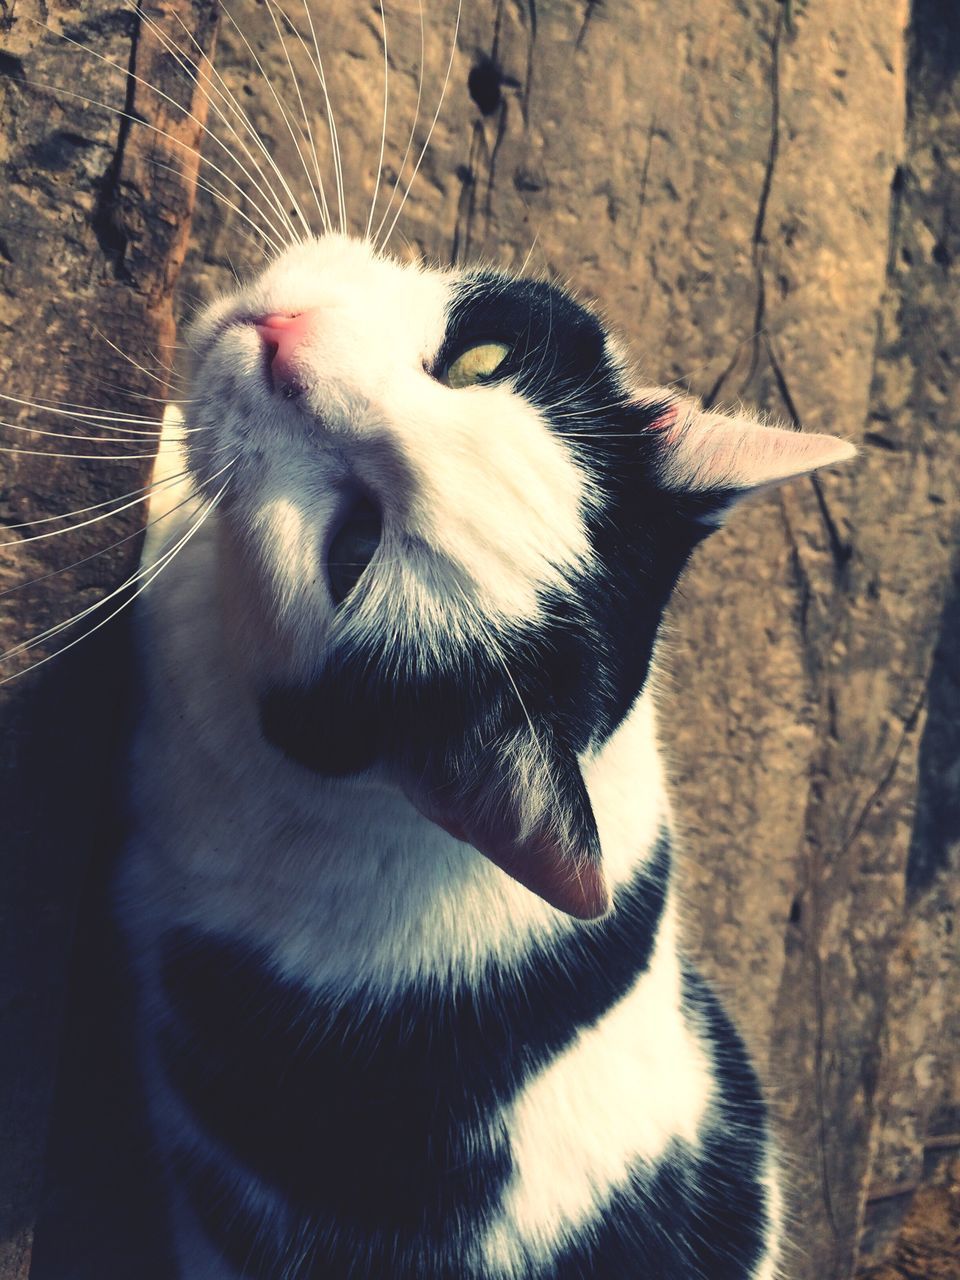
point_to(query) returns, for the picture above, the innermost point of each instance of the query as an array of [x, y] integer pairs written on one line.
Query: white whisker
[[283, 114], [137, 437], [495, 648], [145, 124], [331, 122], [97, 506], [433, 125], [49, 632], [192, 68], [152, 571], [86, 457], [383, 130], [126, 72], [231, 204], [530, 252], [319, 195], [119, 542], [83, 524], [413, 130], [84, 412]]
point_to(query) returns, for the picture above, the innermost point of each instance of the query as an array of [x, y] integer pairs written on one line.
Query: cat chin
[[256, 643]]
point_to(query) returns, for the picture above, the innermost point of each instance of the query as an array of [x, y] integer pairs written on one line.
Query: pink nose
[[281, 335]]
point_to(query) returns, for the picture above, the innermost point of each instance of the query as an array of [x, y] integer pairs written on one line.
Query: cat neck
[[342, 881]]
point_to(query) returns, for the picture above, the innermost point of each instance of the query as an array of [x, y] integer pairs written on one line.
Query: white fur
[[212, 795], [482, 506], [615, 1098]]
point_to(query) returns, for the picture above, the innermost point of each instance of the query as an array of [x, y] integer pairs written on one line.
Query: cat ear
[[522, 802], [718, 458]]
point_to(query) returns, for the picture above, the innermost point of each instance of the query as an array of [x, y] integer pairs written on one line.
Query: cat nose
[[281, 335]]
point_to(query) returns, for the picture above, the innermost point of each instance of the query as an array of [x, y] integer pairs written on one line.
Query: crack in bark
[[811, 652], [887, 776], [652, 131], [479, 154], [531, 45], [758, 238], [816, 963], [759, 242], [840, 550], [812, 657], [589, 11], [467, 204], [107, 222], [818, 1060]]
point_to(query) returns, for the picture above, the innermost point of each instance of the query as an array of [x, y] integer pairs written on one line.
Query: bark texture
[[94, 215], [763, 198]]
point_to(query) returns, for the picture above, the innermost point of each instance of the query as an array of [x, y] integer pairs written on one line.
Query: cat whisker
[[319, 195], [325, 208], [145, 124], [150, 574], [219, 196], [86, 457], [138, 395], [119, 542], [331, 119], [160, 374], [128, 73], [134, 438], [308, 230], [495, 648], [413, 129], [84, 412], [530, 252], [138, 573], [589, 411], [383, 130], [144, 496], [433, 125], [97, 506], [192, 69]]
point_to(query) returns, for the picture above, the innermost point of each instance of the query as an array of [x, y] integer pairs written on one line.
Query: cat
[[398, 886]]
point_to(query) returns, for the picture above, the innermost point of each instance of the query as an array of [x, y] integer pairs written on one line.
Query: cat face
[[453, 525]]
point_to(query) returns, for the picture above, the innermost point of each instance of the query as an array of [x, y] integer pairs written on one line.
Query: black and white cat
[[399, 884]]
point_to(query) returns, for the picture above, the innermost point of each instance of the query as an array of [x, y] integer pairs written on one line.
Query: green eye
[[475, 364]]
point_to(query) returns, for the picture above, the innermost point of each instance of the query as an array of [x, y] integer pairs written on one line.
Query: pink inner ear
[[576, 886], [716, 450], [667, 423]]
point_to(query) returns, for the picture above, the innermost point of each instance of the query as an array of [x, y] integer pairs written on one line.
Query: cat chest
[[402, 1121]]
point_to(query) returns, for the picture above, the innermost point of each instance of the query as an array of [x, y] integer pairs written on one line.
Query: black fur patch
[[377, 1122], [642, 535]]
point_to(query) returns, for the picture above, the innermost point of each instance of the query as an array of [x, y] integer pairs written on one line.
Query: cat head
[[454, 524]]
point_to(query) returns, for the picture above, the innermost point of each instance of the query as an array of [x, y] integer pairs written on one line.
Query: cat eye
[[474, 365], [352, 548]]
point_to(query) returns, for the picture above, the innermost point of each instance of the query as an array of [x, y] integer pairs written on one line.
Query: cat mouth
[[352, 546]]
